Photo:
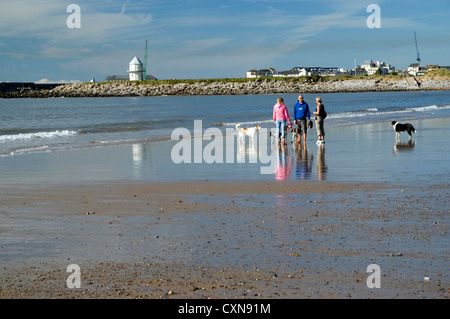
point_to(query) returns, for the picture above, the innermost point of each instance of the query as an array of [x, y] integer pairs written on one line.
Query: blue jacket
[[301, 111]]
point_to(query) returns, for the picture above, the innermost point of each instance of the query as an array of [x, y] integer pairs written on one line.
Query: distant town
[[369, 68]]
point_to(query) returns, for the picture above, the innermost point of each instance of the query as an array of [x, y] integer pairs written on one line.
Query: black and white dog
[[399, 128]]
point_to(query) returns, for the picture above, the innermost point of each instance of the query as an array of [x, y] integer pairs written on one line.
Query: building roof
[[117, 78], [136, 61], [126, 77]]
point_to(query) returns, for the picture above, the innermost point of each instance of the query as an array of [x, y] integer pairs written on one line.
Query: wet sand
[[225, 240], [234, 238]]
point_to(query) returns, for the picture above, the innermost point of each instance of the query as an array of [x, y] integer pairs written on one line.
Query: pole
[[145, 62]]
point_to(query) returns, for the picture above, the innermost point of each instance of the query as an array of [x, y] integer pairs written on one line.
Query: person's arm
[[287, 116], [317, 112]]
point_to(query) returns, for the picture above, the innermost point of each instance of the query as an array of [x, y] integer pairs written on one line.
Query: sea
[[56, 124], [46, 125]]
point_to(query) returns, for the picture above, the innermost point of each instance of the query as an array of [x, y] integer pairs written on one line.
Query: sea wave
[[368, 112], [377, 112], [26, 150], [28, 136], [243, 124]]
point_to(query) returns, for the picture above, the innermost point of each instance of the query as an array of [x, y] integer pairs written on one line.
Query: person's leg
[[322, 131], [304, 129], [278, 124], [298, 131], [283, 131], [318, 128]]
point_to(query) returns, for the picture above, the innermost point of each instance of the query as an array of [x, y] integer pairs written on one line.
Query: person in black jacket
[[320, 116]]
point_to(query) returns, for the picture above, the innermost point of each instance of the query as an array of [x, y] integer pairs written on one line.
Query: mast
[[145, 62], [417, 48]]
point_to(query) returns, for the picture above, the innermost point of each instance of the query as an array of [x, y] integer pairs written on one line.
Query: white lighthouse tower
[[136, 70]]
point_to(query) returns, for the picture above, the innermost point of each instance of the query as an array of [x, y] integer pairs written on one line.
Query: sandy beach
[[140, 226]]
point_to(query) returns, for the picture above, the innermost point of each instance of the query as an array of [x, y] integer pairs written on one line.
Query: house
[[432, 67], [358, 71], [308, 71], [422, 71], [261, 73], [413, 68], [323, 71], [372, 67], [297, 71]]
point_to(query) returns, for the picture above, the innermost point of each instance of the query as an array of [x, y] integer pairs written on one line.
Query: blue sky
[[213, 39]]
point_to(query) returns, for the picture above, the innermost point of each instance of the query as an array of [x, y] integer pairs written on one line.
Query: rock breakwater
[[258, 86]]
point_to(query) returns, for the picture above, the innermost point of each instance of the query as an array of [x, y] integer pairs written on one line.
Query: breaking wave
[[28, 136], [361, 114]]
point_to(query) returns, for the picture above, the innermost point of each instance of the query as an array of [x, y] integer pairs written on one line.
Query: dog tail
[[237, 126], [413, 129]]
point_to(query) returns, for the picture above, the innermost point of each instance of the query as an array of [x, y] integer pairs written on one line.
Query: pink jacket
[[280, 112]]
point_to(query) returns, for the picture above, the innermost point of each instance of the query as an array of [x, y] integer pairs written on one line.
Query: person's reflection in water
[[304, 161], [321, 166], [283, 165]]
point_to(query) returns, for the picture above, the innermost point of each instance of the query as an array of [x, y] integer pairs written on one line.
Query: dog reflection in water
[[402, 146], [251, 150]]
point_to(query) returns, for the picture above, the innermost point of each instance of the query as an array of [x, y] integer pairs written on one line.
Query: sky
[[213, 39]]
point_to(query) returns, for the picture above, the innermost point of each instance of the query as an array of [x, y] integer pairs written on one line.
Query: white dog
[[249, 131]]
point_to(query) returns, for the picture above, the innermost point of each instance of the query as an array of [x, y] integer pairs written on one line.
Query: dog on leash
[[249, 131], [399, 128]]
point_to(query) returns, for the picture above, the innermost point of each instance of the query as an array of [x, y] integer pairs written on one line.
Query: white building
[[261, 73], [136, 70], [294, 72], [372, 67], [413, 68]]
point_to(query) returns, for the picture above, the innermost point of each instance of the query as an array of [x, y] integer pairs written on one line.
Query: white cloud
[[47, 81], [124, 7], [46, 20], [184, 36], [22, 18]]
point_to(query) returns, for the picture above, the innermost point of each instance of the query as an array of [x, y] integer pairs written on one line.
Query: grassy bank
[[441, 73]]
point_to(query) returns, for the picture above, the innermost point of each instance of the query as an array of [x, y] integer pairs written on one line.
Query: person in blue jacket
[[301, 113]]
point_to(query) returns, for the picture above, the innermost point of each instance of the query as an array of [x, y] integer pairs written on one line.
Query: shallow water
[[362, 153], [41, 125]]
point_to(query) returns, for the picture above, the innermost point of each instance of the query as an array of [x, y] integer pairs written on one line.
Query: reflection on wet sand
[[304, 161], [282, 160], [244, 150], [139, 156], [283, 164], [402, 146], [321, 167], [139, 153]]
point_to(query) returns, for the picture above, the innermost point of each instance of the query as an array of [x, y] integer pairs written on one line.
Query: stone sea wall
[[257, 86]]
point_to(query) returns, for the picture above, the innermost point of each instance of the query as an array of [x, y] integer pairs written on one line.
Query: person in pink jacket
[[281, 118]]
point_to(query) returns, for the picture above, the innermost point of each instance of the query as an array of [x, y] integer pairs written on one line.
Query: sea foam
[[27, 136]]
